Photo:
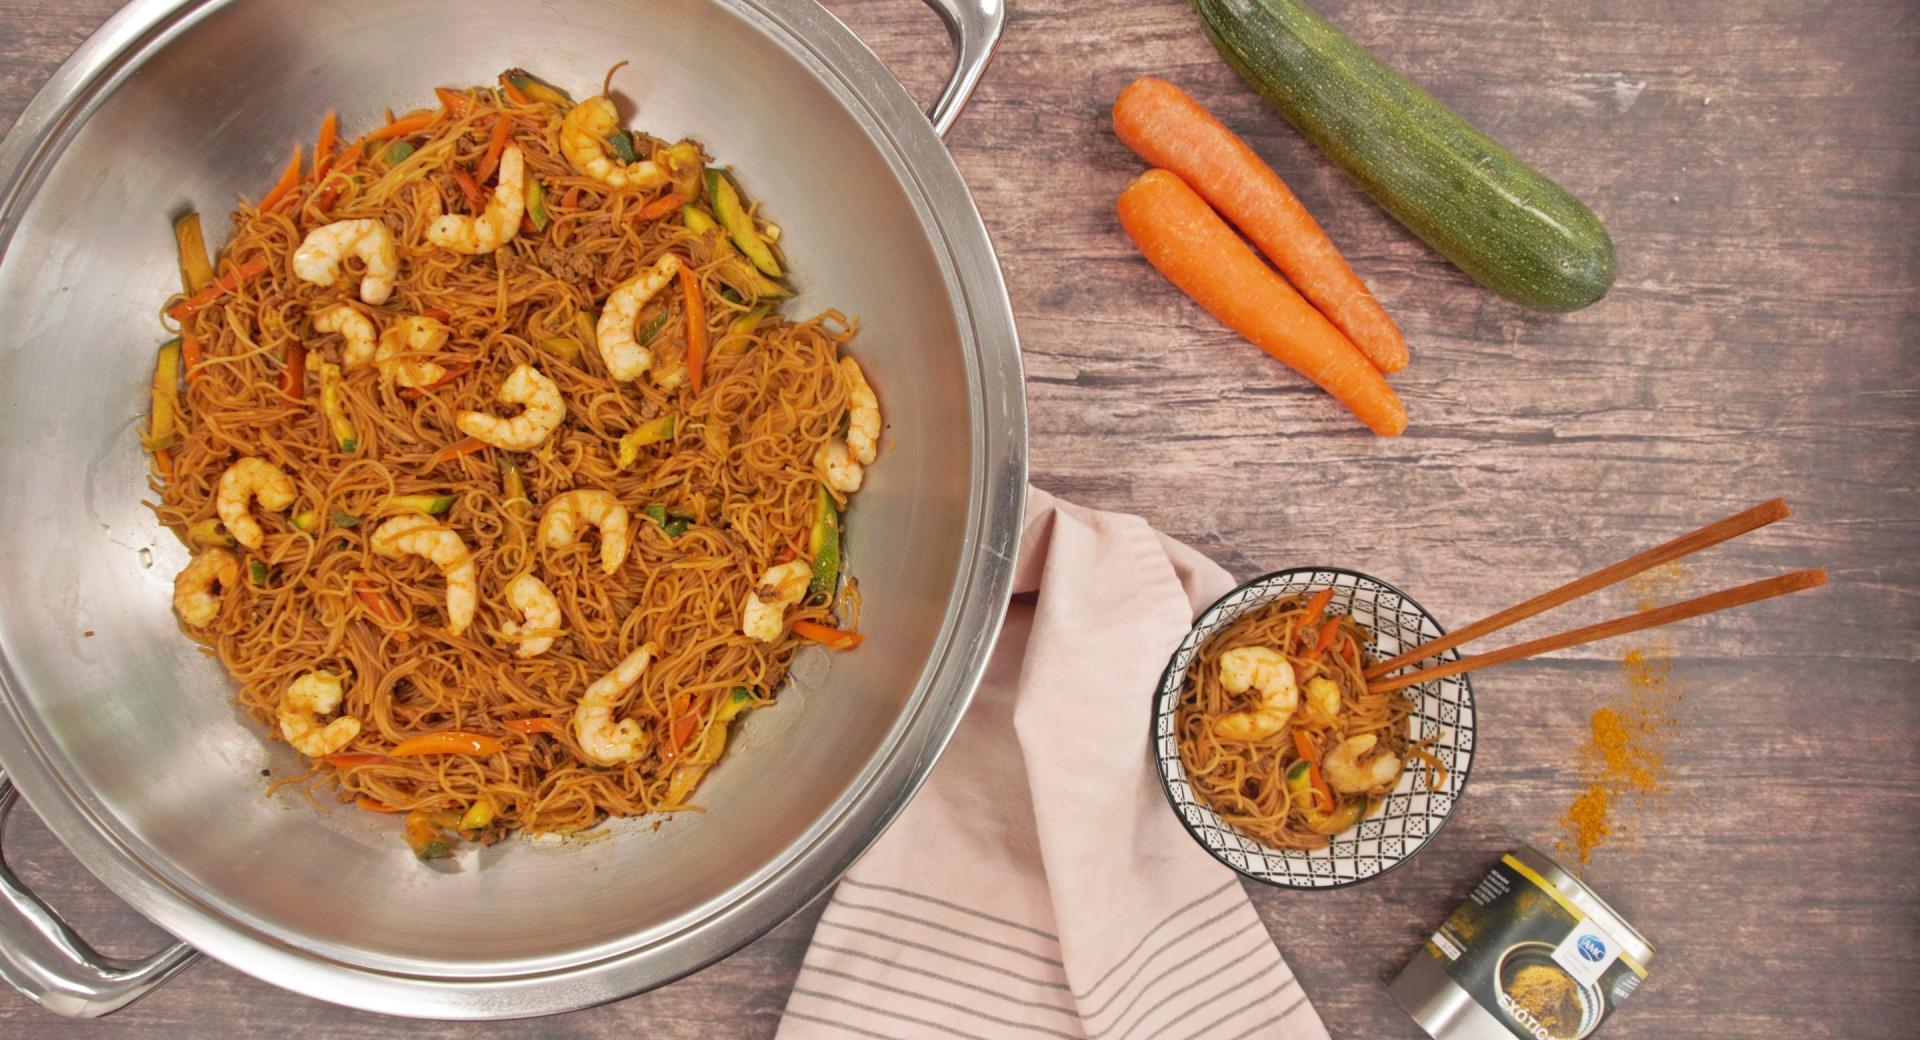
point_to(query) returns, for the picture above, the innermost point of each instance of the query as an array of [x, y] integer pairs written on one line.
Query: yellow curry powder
[[1624, 754]]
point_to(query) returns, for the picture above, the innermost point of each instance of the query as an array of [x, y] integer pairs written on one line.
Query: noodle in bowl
[[1437, 717]]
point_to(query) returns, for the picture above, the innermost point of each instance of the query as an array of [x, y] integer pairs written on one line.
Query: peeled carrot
[[1316, 606], [288, 178], [537, 724], [471, 189], [1196, 250], [1171, 130], [496, 145], [454, 101], [464, 446], [403, 127], [190, 356], [226, 283], [371, 805], [323, 148], [832, 638], [696, 328], [1328, 633], [1304, 744], [660, 207], [293, 380]]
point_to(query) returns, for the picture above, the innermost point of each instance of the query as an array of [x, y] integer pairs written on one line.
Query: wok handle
[[975, 27], [46, 960]]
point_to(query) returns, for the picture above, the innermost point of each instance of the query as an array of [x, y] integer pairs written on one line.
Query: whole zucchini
[[1498, 219]]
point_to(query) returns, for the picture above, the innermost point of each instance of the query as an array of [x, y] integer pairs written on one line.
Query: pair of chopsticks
[[1713, 534]]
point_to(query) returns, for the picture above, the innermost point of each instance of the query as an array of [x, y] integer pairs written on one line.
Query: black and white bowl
[[1412, 814]]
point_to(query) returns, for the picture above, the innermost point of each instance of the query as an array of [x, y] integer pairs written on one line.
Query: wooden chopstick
[[1738, 596], [1713, 534]]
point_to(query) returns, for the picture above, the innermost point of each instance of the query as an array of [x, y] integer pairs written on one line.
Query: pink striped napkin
[[1039, 885]]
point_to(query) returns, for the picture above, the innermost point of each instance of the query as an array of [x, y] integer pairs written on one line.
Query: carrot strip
[[373, 806], [293, 380], [660, 207], [163, 462], [226, 283], [515, 94], [683, 725], [470, 188], [415, 393], [571, 198], [190, 356], [288, 178], [331, 193], [1196, 250], [1171, 130], [538, 724], [696, 328], [458, 448], [1304, 744], [402, 127], [378, 606], [1316, 607], [1328, 633], [323, 148], [495, 146], [454, 102], [833, 638]]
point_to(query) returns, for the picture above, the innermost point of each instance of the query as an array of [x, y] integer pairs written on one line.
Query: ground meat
[[571, 266]]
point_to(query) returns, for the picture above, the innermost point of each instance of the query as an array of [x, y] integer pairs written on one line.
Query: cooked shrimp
[[604, 740], [625, 358], [194, 598], [863, 414], [838, 468], [544, 411], [560, 524], [1351, 771], [423, 536], [1257, 668], [844, 462], [541, 611], [765, 615], [412, 335], [354, 326], [583, 135], [308, 697], [246, 480], [501, 220], [323, 250], [1323, 699]]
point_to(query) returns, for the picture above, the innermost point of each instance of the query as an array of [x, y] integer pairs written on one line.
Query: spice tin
[[1532, 953]]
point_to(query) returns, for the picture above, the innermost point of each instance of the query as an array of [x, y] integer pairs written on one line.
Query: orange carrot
[[331, 193], [1304, 744], [495, 145], [288, 178], [348, 759], [448, 742], [437, 314], [293, 380], [1199, 253], [375, 806], [190, 356], [470, 188], [454, 101], [696, 328], [660, 207], [1328, 632], [378, 606], [323, 149], [454, 371], [1316, 607], [683, 726], [403, 127], [226, 283], [163, 462], [537, 724], [1171, 130], [458, 448], [514, 94], [833, 638], [571, 198]]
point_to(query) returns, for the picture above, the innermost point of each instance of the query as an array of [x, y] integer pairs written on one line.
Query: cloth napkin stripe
[[1038, 887]]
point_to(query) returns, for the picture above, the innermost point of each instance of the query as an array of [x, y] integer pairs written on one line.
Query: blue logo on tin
[[1592, 949]]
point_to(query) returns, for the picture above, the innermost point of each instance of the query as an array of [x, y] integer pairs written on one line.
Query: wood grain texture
[[1759, 167]]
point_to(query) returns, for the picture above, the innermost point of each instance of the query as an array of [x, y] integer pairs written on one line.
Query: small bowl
[[1412, 814]]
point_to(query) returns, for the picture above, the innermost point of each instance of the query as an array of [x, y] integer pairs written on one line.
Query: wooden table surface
[[1758, 164]]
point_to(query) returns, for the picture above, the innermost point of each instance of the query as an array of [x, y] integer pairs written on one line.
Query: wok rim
[[114, 53]]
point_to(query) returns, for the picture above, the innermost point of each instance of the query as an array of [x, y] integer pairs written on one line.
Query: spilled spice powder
[[1624, 756]]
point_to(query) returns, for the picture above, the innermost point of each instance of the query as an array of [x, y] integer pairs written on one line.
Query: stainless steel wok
[[123, 738]]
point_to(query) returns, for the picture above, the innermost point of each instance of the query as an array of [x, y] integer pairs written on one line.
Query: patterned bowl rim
[[1165, 689]]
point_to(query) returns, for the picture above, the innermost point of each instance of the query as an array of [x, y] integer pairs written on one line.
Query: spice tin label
[[1536, 962]]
